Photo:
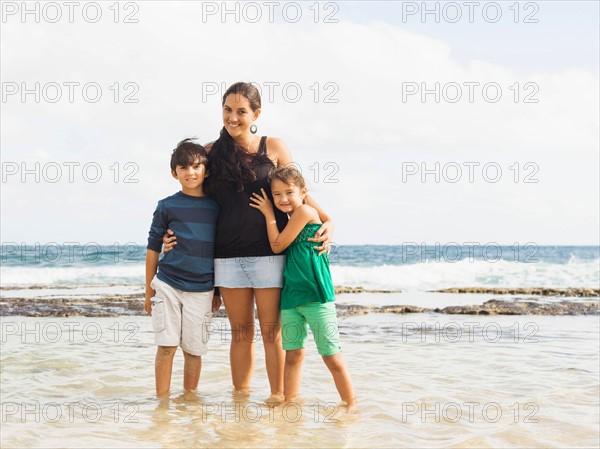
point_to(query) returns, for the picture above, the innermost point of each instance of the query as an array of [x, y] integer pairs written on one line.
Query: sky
[[412, 122]]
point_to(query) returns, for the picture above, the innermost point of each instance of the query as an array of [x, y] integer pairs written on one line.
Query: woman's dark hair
[[228, 162], [247, 90]]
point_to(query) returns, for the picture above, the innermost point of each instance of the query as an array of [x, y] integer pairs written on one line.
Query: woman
[[246, 269]]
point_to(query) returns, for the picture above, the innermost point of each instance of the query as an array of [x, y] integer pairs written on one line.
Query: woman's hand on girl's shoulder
[[323, 236], [208, 146]]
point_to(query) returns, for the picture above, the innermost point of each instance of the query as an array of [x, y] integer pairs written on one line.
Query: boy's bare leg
[[341, 377], [267, 305], [239, 303], [163, 366], [292, 373], [191, 371]]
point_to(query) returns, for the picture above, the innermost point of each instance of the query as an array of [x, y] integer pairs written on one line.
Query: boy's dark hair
[[186, 153]]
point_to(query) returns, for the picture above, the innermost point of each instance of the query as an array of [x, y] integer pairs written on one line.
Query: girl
[[307, 296]]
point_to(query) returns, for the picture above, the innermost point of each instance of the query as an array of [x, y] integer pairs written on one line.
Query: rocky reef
[[343, 289], [123, 305], [536, 291]]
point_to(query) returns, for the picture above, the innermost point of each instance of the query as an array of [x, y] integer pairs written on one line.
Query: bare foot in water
[[275, 399], [241, 393], [187, 396], [349, 406]]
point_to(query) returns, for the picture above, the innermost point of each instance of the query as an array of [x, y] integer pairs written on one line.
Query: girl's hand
[[262, 203], [323, 236], [169, 241]]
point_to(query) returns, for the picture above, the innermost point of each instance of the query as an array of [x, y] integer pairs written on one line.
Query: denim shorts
[[249, 272]]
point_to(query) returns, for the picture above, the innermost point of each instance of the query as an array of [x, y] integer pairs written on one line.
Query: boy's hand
[[262, 203], [216, 303], [148, 301], [169, 241]]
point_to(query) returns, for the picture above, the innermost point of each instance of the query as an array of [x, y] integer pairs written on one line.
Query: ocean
[[411, 267], [422, 379]]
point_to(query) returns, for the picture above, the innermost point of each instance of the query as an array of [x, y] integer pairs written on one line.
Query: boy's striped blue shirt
[[190, 265]]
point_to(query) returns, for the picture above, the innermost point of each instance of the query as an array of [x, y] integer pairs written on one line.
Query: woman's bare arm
[[323, 235]]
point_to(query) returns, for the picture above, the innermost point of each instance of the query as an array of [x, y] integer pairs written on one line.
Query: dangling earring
[[253, 129]]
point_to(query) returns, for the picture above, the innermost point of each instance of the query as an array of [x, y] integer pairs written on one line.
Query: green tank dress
[[306, 274]]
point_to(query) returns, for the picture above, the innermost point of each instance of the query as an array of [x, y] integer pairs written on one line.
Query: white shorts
[[181, 318]]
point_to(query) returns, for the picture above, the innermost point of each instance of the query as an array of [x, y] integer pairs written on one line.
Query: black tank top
[[241, 229]]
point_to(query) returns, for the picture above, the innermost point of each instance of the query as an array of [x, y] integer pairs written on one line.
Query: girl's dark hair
[[228, 162], [288, 175]]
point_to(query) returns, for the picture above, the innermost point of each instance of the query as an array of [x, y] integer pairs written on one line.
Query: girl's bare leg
[[341, 377], [293, 373]]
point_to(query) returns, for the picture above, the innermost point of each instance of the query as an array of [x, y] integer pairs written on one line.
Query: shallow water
[[423, 380]]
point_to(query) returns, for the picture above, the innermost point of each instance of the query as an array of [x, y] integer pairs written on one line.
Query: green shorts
[[322, 321]]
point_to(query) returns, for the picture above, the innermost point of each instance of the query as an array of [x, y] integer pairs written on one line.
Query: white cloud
[[368, 133]]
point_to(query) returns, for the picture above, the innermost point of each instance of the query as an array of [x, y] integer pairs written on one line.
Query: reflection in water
[[422, 380], [190, 420]]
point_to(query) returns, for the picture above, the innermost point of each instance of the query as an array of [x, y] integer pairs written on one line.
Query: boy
[[180, 295]]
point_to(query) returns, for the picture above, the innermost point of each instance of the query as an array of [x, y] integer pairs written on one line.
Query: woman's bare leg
[[267, 304], [239, 303]]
